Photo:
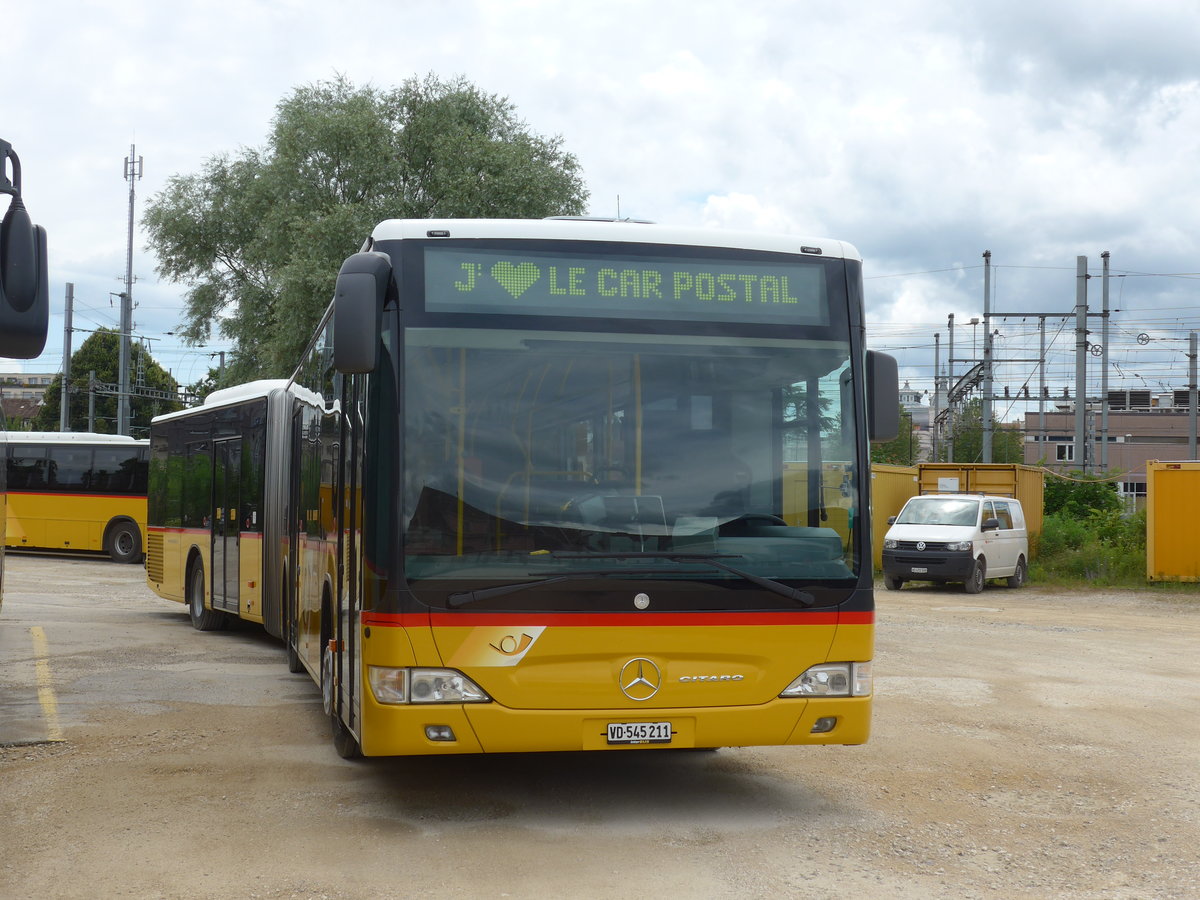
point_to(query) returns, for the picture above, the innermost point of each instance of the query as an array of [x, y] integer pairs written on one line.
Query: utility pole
[[1041, 386], [985, 408], [937, 387], [1104, 369], [92, 401], [1081, 350], [133, 173], [950, 383], [1192, 395], [64, 406]]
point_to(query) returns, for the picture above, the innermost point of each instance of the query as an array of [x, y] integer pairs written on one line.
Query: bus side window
[[113, 470], [27, 469], [69, 467]]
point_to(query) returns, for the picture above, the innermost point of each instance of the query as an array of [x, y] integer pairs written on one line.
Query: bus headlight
[[959, 545], [890, 543], [388, 685], [394, 686], [832, 680]]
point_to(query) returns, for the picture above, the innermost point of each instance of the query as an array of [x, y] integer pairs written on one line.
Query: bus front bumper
[[491, 728]]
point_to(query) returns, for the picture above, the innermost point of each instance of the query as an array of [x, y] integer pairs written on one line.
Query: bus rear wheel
[[123, 542]]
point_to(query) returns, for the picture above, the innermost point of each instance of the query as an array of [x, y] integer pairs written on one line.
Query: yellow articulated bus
[[76, 491], [552, 485]]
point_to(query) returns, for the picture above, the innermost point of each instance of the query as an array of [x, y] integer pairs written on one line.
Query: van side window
[[989, 511], [1004, 515]]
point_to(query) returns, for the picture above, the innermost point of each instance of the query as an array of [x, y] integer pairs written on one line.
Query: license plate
[[919, 570], [639, 732]]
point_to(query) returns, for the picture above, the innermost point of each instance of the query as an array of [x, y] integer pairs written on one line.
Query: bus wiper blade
[[462, 598], [804, 598]]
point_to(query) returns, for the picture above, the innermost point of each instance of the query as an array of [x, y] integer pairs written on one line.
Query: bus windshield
[[535, 454]]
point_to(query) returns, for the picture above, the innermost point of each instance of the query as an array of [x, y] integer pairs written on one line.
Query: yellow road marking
[[46, 695]]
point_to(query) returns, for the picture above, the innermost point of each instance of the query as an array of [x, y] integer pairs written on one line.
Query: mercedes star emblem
[[639, 679]]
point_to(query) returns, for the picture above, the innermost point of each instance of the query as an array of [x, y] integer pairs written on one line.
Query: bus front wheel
[[344, 742], [123, 541], [202, 619]]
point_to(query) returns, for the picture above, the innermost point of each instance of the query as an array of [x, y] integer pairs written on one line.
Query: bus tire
[[202, 619], [293, 658], [294, 662], [344, 742], [123, 541]]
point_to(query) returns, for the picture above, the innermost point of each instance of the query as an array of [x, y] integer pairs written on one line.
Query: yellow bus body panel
[[68, 521], [561, 689], [167, 554]]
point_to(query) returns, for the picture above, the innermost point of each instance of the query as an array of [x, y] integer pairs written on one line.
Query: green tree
[[1008, 444], [205, 386], [1078, 495], [904, 450], [101, 353], [259, 236]]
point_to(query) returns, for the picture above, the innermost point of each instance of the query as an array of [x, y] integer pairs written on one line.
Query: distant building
[[23, 386], [1142, 426], [21, 397], [19, 414], [912, 407]]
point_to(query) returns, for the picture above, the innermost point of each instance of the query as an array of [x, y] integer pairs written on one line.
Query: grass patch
[[1100, 547]]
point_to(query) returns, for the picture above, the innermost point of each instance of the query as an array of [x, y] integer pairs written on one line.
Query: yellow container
[[1172, 494], [891, 486], [1025, 483]]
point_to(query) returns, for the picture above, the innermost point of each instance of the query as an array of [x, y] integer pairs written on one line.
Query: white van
[[957, 537]]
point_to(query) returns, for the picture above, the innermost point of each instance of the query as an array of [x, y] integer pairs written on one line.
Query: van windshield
[[939, 511]]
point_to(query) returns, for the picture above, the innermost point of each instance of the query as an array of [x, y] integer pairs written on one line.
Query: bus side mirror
[[362, 287], [883, 397], [24, 288]]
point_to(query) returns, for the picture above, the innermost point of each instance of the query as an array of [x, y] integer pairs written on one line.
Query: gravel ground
[[1027, 744]]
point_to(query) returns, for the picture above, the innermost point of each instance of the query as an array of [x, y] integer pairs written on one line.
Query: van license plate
[[919, 570], [639, 732]]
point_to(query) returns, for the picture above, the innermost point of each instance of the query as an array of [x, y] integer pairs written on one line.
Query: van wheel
[[1020, 576], [892, 584], [123, 541], [974, 584]]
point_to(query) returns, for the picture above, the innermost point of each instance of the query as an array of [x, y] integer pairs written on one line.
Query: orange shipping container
[[1172, 496]]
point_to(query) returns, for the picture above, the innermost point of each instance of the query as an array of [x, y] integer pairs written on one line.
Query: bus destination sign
[[624, 286]]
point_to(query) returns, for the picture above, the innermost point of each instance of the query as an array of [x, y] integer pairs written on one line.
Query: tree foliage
[[101, 353], [904, 450], [1078, 496], [259, 236], [1008, 444]]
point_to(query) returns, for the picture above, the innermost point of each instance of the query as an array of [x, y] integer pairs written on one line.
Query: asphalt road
[[1027, 744]]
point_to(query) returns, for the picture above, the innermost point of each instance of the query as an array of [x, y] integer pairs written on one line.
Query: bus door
[[343, 456], [227, 481], [291, 574]]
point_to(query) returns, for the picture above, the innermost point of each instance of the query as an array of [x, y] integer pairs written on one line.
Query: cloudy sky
[[922, 131]]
